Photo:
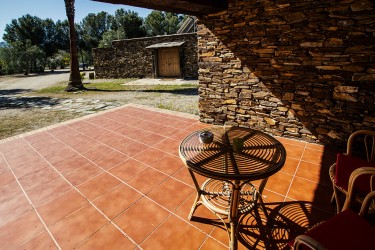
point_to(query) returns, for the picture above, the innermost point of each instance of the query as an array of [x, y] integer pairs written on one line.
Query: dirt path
[[33, 81]]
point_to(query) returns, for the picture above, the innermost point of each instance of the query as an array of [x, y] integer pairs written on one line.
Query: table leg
[[233, 216], [199, 193]]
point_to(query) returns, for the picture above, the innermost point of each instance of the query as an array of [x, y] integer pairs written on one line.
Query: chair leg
[[336, 195], [333, 198]]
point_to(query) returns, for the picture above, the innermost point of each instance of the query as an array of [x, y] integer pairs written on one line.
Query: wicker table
[[228, 190]]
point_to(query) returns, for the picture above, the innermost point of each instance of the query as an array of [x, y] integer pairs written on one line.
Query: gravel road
[[33, 81], [29, 112], [15, 87]]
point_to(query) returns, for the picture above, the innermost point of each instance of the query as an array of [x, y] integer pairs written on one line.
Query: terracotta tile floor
[[114, 180]]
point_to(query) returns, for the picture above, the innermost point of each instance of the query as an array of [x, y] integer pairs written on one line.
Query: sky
[[55, 9]]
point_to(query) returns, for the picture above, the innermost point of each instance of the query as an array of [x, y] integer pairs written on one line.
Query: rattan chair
[[360, 153], [346, 230]]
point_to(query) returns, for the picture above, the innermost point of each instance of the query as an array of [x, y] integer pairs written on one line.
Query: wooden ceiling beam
[[189, 7]]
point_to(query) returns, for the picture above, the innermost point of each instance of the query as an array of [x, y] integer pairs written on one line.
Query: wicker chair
[[346, 230], [360, 153]]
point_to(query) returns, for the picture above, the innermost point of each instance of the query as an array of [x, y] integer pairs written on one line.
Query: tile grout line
[[110, 221], [128, 105], [106, 171], [132, 157], [34, 208], [144, 195], [294, 175], [152, 146], [295, 172]]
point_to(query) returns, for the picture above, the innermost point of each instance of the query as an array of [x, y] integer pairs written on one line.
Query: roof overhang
[[165, 45], [190, 7]]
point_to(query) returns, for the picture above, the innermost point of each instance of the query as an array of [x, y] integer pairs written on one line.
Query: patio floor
[[114, 180]]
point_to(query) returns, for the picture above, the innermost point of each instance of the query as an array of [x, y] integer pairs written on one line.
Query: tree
[[62, 35], [128, 22], [29, 31], [91, 31], [110, 36], [26, 28], [22, 57], [162, 23], [75, 82]]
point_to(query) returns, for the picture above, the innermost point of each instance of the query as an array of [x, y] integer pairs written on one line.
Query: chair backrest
[[351, 192], [369, 199], [363, 141], [320, 236]]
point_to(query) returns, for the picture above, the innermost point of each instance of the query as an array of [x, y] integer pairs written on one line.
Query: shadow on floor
[[285, 222]]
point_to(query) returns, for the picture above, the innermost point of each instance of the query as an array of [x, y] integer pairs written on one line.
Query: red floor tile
[[117, 200], [169, 164], [202, 217], [48, 191], [290, 165], [297, 196], [61, 207], [77, 227], [39, 178], [108, 237], [14, 208], [184, 176], [279, 183], [305, 190], [313, 156], [169, 145], [313, 172], [146, 180], [293, 151], [127, 169], [184, 236], [171, 194], [98, 186], [9, 187], [69, 164], [20, 231], [30, 168], [83, 174], [110, 160], [152, 139], [141, 220], [42, 241], [210, 244], [133, 148], [149, 156]]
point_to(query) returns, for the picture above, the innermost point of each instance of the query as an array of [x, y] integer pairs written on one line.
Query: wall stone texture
[[295, 68], [129, 58]]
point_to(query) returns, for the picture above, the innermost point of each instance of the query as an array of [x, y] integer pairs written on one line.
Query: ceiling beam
[[189, 7]]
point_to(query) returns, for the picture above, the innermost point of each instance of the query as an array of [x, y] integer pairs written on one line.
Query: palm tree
[[75, 82]]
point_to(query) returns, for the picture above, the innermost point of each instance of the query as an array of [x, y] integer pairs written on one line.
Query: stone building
[[296, 68], [303, 69], [159, 56]]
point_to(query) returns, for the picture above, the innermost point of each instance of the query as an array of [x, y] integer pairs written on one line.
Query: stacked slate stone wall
[[129, 58], [296, 68]]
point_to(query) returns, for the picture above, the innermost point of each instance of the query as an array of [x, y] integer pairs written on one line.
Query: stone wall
[[130, 58], [296, 68]]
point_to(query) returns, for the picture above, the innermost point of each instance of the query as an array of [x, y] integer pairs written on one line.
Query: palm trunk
[[75, 82]]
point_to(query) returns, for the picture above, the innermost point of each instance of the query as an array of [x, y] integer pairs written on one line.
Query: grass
[[28, 120], [113, 86], [169, 97]]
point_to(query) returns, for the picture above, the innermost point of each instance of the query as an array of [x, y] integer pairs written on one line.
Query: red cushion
[[344, 231], [345, 165]]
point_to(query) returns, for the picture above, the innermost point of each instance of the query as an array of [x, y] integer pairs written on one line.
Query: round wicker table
[[230, 168]]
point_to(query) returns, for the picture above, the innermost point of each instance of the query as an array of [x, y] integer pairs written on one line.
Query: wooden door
[[169, 62]]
